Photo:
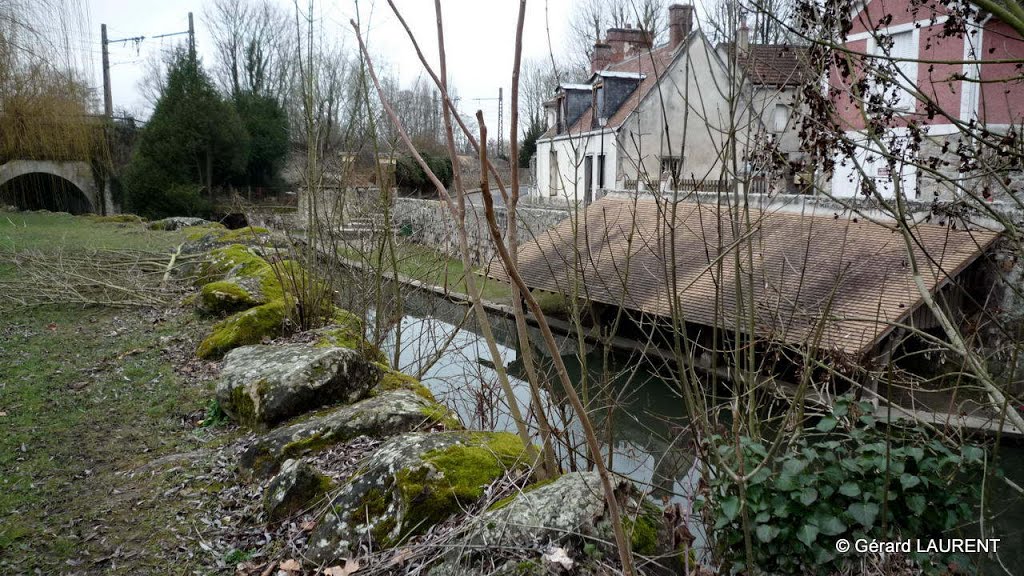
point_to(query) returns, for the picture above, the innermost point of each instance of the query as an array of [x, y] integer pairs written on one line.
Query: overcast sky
[[478, 33]]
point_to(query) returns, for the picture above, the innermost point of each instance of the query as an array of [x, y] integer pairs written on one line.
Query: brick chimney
[[680, 23], [603, 56], [627, 42], [743, 40]]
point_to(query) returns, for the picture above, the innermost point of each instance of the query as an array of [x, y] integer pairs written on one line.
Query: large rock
[[295, 488], [411, 483], [179, 222], [567, 514], [538, 516], [387, 414], [251, 326], [261, 386], [204, 239]]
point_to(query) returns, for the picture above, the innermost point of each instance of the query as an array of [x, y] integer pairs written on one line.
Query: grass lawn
[[88, 395], [428, 265]]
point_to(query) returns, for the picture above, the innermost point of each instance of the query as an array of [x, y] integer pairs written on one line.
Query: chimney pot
[[602, 57]]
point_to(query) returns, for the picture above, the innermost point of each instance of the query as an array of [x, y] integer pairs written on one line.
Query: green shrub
[[409, 175], [846, 478]]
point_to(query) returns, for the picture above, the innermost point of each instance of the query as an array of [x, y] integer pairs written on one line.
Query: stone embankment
[[426, 474]]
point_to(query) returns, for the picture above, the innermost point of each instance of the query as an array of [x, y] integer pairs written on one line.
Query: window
[[897, 52], [598, 103], [600, 171], [780, 118]]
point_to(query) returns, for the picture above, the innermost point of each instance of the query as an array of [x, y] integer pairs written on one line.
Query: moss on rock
[[346, 330], [424, 478], [243, 328], [384, 415], [643, 529], [395, 380], [454, 477], [226, 297], [222, 235], [232, 260]]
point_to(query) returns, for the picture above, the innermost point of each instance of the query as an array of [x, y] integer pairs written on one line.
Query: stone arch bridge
[[67, 186]]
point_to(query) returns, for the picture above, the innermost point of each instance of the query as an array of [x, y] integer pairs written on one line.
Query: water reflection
[[647, 424]]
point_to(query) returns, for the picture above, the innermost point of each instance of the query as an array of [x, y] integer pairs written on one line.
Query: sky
[[479, 38]]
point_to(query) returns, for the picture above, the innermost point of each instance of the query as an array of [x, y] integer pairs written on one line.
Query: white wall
[[572, 152], [866, 162]]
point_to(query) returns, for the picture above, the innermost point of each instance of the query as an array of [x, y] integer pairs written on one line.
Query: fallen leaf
[[3, 414], [51, 326], [351, 567], [558, 559], [290, 565], [307, 526]]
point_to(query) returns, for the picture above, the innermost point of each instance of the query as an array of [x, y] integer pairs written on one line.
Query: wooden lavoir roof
[[801, 268]]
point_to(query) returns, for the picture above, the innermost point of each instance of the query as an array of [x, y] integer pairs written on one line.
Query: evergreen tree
[[266, 122], [193, 143], [529, 144]]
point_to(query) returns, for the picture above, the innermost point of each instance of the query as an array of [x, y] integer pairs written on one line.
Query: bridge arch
[[50, 185]]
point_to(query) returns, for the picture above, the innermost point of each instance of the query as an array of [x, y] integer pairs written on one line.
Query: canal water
[[638, 414]]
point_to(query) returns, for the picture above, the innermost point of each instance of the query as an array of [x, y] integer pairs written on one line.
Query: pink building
[[945, 81]]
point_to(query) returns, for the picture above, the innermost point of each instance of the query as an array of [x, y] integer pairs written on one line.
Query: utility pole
[[501, 120], [191, 38], [108, 99]]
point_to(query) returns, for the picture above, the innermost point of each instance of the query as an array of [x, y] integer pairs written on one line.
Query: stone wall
[[428, 222], [993, 177]]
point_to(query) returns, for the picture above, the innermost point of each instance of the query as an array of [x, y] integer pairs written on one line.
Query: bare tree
[[767, 21], [591, 18], [252, 51]]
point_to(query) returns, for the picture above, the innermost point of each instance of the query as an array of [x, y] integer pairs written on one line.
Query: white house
[[661, 117]]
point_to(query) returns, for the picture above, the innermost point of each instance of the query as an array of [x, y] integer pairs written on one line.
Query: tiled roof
[[776, 64], [804, 268]]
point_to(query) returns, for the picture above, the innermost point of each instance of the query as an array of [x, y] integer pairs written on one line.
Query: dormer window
[[599, 101]]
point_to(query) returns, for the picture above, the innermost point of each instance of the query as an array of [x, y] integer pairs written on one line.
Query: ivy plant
[[846, 477]]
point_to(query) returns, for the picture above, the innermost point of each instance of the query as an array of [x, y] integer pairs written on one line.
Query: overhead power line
[[108, 100]]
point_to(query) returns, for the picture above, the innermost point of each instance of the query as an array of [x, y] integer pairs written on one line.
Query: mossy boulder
[[261, 386], [411, 483], [178, 222], [206, 238], [395, 380], [539, 517], [244, 328], [234, 260], [386, 414], [229, 296], [346, 330], [295, 488]]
